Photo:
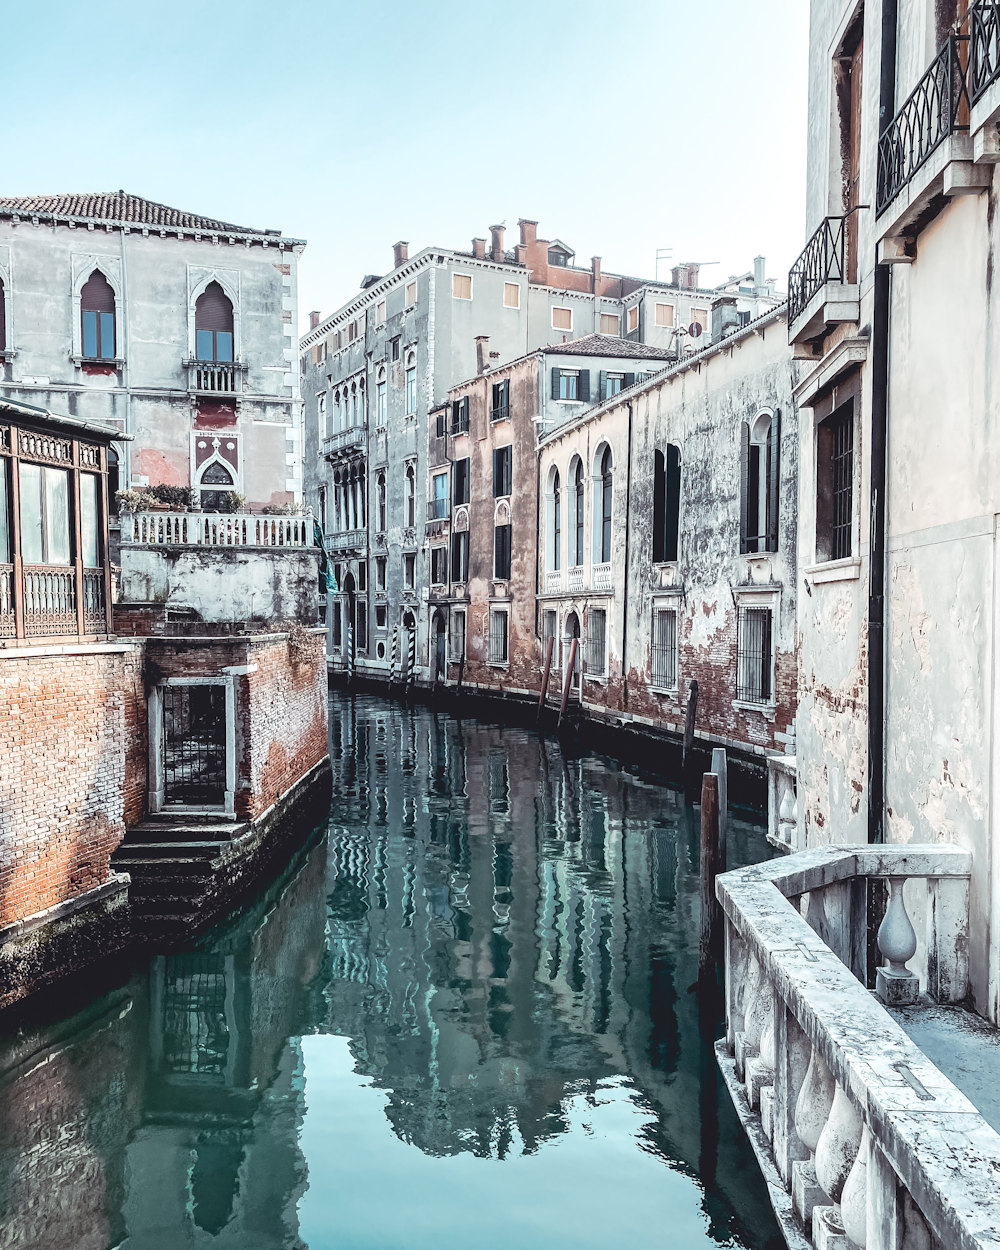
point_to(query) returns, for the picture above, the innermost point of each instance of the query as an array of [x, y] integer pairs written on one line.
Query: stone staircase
[[175, 862]]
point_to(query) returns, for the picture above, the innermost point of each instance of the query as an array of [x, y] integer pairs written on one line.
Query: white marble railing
[[553, 581], [215, 529], [575, 578], [782, 802], [602, 577], [862, 1140]]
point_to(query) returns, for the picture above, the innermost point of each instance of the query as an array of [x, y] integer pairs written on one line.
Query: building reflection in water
[[497, 929]]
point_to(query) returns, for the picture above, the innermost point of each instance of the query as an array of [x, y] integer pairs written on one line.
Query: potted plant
[[234, 500], [174, 498], [132, 500]]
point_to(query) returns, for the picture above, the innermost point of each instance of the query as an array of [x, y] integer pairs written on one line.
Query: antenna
[[662, 253]]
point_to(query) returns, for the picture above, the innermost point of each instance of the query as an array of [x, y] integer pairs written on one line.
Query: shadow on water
[[462, 1016]]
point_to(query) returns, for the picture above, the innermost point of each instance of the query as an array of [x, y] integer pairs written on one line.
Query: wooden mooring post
[[567, 684], [711, 865], [687, 779], [545, 678]]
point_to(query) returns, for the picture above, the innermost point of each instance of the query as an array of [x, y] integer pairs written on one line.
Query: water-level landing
[[462, 1018]]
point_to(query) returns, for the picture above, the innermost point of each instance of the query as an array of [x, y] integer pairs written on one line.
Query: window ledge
[[767, 710], [502, 664], [117, 361], [664, 692], [847, 570]]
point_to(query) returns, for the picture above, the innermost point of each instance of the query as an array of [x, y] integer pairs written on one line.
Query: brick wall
[[72, 772]]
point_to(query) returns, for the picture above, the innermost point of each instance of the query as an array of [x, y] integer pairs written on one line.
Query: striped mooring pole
[[394, 656], [349, 639], [411, 655]]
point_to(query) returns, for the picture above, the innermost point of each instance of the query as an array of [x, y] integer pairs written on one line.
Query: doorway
[[440, 645], [194, 745]]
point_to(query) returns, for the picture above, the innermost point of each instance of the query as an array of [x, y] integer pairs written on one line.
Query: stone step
[[167, 851], [186, 832]]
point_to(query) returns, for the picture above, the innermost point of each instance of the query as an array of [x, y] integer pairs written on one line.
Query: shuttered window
[[411, 298], [461, 285], [213, 323], [597, 624], [501, 552], [456, 635], [502, 465], [607, 489], [663, 674], [380, 313], [511, 295], [664, 314], [562, 319], [97, 310], [610, 324], [753, 656], [460, 557], [666, 503], [571, 384], [633, 318], [500, 405], [700, 315]]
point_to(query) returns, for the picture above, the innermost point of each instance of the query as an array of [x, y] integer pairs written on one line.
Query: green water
[[462, 1019]]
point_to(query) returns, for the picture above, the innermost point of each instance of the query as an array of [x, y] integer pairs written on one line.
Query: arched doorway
[[216, 482], [571, 631], [440, 632]]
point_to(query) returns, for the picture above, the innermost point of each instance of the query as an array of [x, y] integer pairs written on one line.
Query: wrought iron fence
[[984, 47], [49, 601], [822, 261], [930, 114]]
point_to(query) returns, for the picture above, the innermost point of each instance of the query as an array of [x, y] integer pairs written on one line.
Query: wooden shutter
[[744, 477], [555, 383], [584, 392], [659, 507], [497, 470], [628, 380], [213, 311], [673, 501], [773, 479], [603, 384]]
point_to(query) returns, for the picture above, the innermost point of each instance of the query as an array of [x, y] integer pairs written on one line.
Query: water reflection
[[470, 992]]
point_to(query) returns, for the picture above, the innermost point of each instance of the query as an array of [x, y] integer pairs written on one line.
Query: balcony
[[822, 289], [553, 582], [861, 1139], [215, 379], [602, 577], [927, 150], [345, 440], [500, 413], [575, 578], [984, 80], [347, 540], [47, 597], [212, 529]]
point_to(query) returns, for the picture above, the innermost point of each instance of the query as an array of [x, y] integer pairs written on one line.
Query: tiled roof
[[119, 206], [609, 345]]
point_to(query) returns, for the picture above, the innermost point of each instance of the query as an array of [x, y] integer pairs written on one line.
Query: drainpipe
[[628, 505], [880, 422]]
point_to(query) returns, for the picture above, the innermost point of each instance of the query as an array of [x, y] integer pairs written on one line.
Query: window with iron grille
[[664, 657], [500, 407], [753, 656], [597, 627], [835, 485], [549, 631], [498, 637], [457, 636]]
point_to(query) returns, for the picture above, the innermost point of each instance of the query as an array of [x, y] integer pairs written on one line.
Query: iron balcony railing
[[936, 108], [823, 260], [984, 47], [500, 412], [438, 509]]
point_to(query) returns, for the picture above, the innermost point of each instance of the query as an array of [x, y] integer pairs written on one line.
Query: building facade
[[373, 371], [173, 328]]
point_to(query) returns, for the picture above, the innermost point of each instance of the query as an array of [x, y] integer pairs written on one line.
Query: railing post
[[792, 1053], [736, 977], [948, 939]]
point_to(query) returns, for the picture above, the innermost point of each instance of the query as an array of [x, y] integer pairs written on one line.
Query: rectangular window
[[411, 299], [460, 416], [700, 315], [569, 384], [460, 557], [664, 666], [610, 324], [498, 636], [395, 349], [6, 554], [411, 390], [44, 515], [597, 626], [322, 509], [409, 571], [461, 285], [361, 633], [89, 521], [664, 314], [381, 404], [753, 656], [549, 631], [501, 471], [500, 407], [835, 485], [439, 566], [380, 313], [501, 553], [362, 575], [633, 318], [462, 481], [562, 319], [380, 572], [352, 332], [380, 616], [457, 636], [336, 625], [613, 384], [439, 502], [511, 295]]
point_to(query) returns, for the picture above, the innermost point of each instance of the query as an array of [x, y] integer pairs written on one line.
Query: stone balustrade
[[782, 802], [215, 529], [862, 1140]]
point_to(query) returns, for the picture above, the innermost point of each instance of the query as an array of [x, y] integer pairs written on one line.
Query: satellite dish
[[696, 329]]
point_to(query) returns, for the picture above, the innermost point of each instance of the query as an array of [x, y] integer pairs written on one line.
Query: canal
[[463, 1018]]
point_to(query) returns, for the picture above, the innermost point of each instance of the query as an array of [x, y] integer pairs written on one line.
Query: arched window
[[578, 517], [97, 310], [380, 398], [666, 503], [556, 522], [216, 482], [760, 457], [354, 403], [380, 490], [337, 424], [411, 496], [338, 514], [411, 384], [605, 491], [362, 501], [213, 324]]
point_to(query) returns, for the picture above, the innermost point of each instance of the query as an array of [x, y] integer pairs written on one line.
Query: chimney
[[529, 231], [521, 254], [595, 265], [400, 254], [482, 342], [479, 249], [496, 242], [724, 316], [759, 280], [313, 319], [685, 275]]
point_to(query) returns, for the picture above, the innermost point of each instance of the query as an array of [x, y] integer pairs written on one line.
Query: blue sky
[[621, 128]]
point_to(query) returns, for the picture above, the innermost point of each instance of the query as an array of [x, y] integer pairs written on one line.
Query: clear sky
[[620, 127]]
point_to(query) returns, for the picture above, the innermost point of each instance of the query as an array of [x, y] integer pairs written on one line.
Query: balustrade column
[[736, 964], [836, 1153], [792, 1054], [948, 939], [812, 1110], [895, 983]]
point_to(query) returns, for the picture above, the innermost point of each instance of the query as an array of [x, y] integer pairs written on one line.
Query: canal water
[[461, 1020]]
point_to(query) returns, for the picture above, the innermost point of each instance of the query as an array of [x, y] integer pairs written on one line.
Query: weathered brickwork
[[72, 772]]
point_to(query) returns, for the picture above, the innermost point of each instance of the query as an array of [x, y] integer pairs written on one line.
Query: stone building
[[372, 372], [174, 328], [484, 495], [892, 311], [677, 558]]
